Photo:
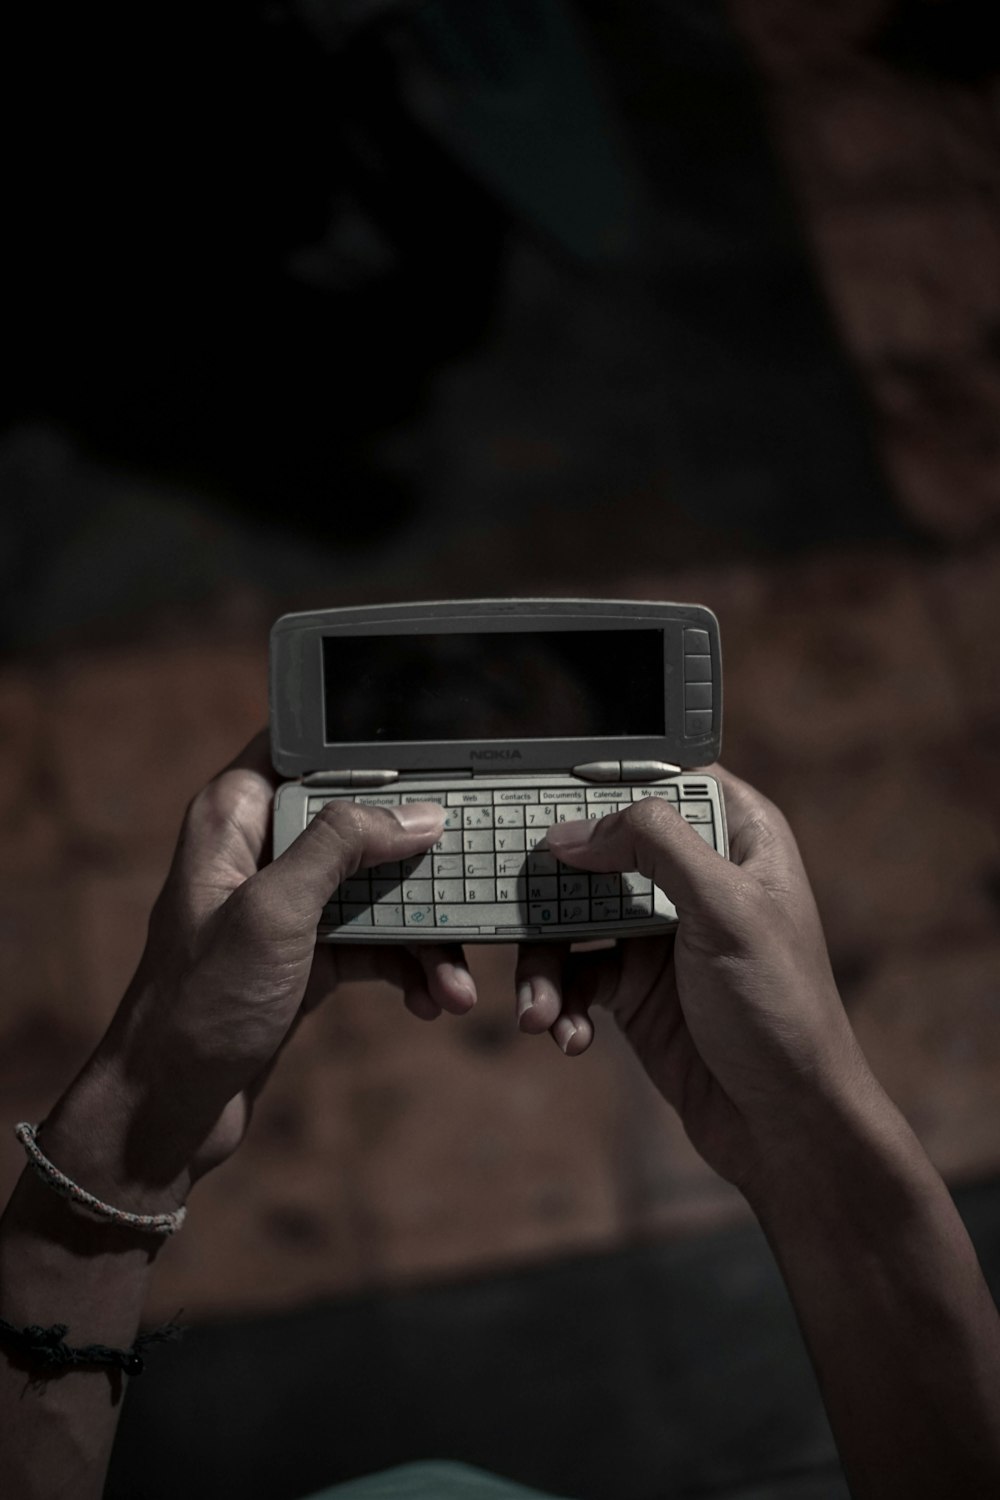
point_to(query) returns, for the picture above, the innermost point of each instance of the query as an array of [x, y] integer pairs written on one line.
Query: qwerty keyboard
[[486, 878]]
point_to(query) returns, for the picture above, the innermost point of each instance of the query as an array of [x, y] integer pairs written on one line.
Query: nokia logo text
[[495, 754]]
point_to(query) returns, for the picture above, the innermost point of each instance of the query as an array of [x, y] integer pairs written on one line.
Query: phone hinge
[[625, 770], [350, 778]]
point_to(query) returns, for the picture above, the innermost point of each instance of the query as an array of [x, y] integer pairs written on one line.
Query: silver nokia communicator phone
[[513, 714]]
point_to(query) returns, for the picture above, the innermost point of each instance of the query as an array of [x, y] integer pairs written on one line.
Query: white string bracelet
[[61, 1184]]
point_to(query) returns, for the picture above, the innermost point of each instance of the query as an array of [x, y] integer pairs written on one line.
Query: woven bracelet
[[48, 1348], [66, 1188]]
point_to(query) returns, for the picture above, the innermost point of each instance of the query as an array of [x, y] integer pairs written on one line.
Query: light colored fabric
[[432, 1480]]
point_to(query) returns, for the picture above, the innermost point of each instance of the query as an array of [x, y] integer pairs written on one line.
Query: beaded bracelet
[[48, 1348], [66, 1188]]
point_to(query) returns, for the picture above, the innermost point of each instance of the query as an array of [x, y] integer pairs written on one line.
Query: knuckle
[[342, 827], [222, 801], [651, 812], [653, 818]]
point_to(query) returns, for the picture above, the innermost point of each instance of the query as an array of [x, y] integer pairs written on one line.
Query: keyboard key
[[510, 890], [477, 865], [388, 914], [356, 890], [477, 841], [508, 817], [697, 812], [539, 817], [707, 832], [417, 867], [605, 910], [574, 886], [417, 892], [449, 890], [390, 870], [470, 798], [355, 915], [505, 796], [477, 817], [605, 885], [634, 884], [570, 812], [484, 915], [542, 863], [377, 799], [511, 864], [543, 888], [386, 890], [508, 840], [447, 866], [453, 817], [418, 916], [480, 890], [533, 837], [668, 792], [573, 911], [562, 793], [638, 906], [450, 842], [543, 914]]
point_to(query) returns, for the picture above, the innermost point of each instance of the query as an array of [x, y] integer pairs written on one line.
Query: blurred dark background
[[311, 303]]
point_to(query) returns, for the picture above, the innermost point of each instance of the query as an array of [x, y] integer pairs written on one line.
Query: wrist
[[102, 1135]]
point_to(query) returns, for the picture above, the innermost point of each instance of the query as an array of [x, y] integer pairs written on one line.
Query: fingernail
[[566, 1035], [571, 835], [463, 981], [420, 817], [525, 999]]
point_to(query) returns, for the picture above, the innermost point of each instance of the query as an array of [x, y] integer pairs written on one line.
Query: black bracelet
[[47, 1347]]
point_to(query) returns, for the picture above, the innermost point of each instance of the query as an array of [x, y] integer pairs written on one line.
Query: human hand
[[735, 1016], [230, 967]]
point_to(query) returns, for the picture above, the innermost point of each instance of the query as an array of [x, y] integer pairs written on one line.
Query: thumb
[[653, 839], [342, 838]]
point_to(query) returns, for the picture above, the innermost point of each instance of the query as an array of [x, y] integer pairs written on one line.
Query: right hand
[[736, 1016]]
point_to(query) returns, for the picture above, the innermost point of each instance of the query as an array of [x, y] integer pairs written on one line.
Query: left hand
[[230, 966]]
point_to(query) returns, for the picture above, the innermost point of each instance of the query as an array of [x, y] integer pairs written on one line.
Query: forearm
[[61, 1265], [900, 1324]]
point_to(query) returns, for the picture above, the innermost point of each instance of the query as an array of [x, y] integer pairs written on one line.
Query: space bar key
[[482, 914]]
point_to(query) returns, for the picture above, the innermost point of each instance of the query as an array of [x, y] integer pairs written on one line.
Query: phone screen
[[549, 684]]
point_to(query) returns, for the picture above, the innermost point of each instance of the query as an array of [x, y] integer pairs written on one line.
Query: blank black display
[[511, 685]]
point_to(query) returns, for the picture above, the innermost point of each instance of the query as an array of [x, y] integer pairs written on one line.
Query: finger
[[446, 976], [593, 977], [256, 757], [757, 828], [227, 826], [538, 985], [652, 838], [547, 976], [420, 1004], [333, 965], [342, 838]]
